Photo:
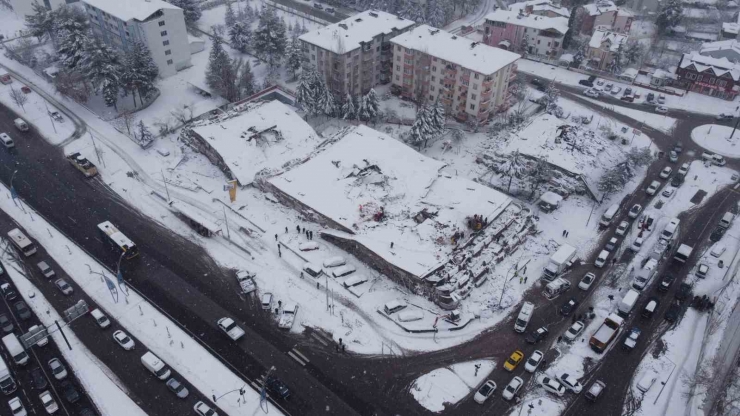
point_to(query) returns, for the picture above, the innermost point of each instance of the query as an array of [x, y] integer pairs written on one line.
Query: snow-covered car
[[661, 99], [668, 192], [335, 261], [590, 92], [62, 285], [47, 400], [534, 361], [308, 246], [684, 169], [599, 82], [57, 369], [702, 270], [673, 156], [343, 270], [16, 407], [7, 291], [666, 172], [594, 392], [56, 116], [574, 331], [202, 409], [551, 385], [612, 244], [512, 388], [587, 281], [123, 340], [230, 328], [616, 89], [661, 109], [723, 116], [484, 392], [246, 281], [513, 361], [569, 307], [637, 244], [635, 211], [45, 269], [571, 383], [622, 228], [290, 311], [631, 339], [653, 188], [43, 341], [608, 86], [647, 381], [537, 335]]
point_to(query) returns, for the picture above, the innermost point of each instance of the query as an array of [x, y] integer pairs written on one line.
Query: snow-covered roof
[[367, 171], [600, 7], [350, 33], [612, 40], [720, 45], [285, 137], [130, 9], [533, 21], [566, 57], [475, 56], [719, 66], [540, 5], [630, 73]]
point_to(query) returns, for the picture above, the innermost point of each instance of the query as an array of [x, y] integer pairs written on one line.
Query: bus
[[21, 242], [117, 239]]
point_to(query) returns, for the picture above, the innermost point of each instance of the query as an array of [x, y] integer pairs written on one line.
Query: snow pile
[[446, 386], [716, 138]]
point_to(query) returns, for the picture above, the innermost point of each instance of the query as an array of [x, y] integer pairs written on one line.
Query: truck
[[561, 260], [645, 274], [246, 281], [627, 303], [82, 164], [7, 384], [525, 314], [606, 333], [683, 253]]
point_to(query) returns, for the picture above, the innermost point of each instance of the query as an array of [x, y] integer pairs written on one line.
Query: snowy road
[[477, 18]]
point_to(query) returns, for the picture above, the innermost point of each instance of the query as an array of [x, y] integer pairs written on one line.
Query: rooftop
[[131, 9], [600, 7], [612, 40], [559, 24], [720, 45], [540, 5], [265, 136], [366, 172], [718, 66], [350, 33], [475, 56]]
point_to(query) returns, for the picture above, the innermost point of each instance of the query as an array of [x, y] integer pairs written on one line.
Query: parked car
[[637, 244], [608, 86], [330, 10], [16, 407], [612, 244], [631, 339], [571, 383], [661, 99], [21, 309], [57, 369], [678, 147], [702, 270], [123, 340], [178, 388], [595, 390], [600, 82], [512, 388], [47, 400], [551, 385], [230, 328], [723, 116], [484, 392], [45, 269], [616, 89], [201, 408], [38, 379], [43, 341], [513, 361], [622, 228], [5, 324], [717, 234], [661, 109], [62, 285], [574, 331], [666, 172], [534, 361], [668, 192], [590, 92], [634, 212], [537, 335], [627, 91], [684, 169], [318, 6], [8, 291], [647, 381], [569, 307], [653, 188], [587, 281], [56, 116], [650, 97], [650, 307], [277, 388], [666, 283], [673, 156]]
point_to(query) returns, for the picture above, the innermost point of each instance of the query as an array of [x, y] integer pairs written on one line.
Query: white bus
[[21, 242], [7, 384], [15, 349], [117, 239]]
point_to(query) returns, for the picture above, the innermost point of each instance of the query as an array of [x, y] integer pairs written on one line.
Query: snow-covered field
[[34, 112], [10, 23], [448, 385], [716, 138], [657, 121]]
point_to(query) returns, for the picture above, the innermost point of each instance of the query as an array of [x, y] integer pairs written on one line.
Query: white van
[[601, 259], [7, 141], [645, 274], [15, 349], [713, 158], [155, 366], [609, 215], [100, 318], [394, 306], [670, 229], [525, 314], [556, 287], [726, 220], [20, 124]]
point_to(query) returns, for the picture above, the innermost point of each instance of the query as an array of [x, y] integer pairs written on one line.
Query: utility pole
[[50, 118], [63, 336], [228, 234], [165, 186], [97, 153]]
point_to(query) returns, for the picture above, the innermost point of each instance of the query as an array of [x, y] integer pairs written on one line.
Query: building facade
[[540, 8], [603, 47], [25, 7], [157, 24], [354, 55], [605, 15], [470, 78], [717, 77], [526, 33]]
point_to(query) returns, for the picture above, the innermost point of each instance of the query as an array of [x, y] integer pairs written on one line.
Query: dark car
[[677, 181], [87, 412], [671, 314], [69, 391], [21, 309], [38, 380], [678, 148], [538, 84], [586, 83], [7, 291], [666, 283], [684, 291], [568, 307], [650, 97], [318, 6], [717, 234], [277, 388], [537, 335], [5, 324], [330, 10]]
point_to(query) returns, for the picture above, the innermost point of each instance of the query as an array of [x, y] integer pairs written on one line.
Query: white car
[[512, 388], [203, 410], [551, 385], [668, 192], [637, 244], [43, 341], [591, 93], [534, 361], [666, 172], [123, 340], [308, 246], [661, 99], [635, 211], [335, 261], [684, 169], [653, 188], [57, 368], [484, 392], [571, 383], [16, 407], [616, 89], [661, 109], [290, 311], [647, 381], [574, 331], [702, 270], [230, 328], [587, 281], [48, 401], [622, 228]]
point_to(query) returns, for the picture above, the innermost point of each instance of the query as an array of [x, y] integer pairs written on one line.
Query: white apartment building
[[470, 78], [354, 55], [158, 24], [25, 7]]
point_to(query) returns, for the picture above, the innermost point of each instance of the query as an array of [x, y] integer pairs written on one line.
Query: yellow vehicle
[[514, 360]]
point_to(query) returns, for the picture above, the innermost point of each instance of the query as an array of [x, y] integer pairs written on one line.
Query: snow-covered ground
[[10, 23], [716, 138], [448, 385], [34, 112], [657, 121]]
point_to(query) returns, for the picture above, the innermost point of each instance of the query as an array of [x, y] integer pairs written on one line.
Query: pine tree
[[373, 105], [111, 89], [437, 117], [348, 108], [362, 112], [295, 57], [669, 15], [220, 76], [246, 80], [190, 8], [99, 63], [632, 52], [230, 16], [41, 22], [615, 66], [571, 28], [143, 133], [525, 45], [139, 72], [304, 92], [423, 128], [550, 99], [269, 39], [328, 104], [73, 31], [579, 57], [241, 37]]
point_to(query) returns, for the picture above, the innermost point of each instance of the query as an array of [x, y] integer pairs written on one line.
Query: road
[[477, 18]]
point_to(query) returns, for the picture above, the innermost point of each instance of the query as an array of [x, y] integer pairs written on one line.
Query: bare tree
[[19, 98], [183, 114], [128, 118]]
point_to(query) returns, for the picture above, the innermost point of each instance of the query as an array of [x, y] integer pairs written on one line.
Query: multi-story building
[[605, 15], [717, 77], [540, 8], [527, 33], [470, 78], [354, 55], [602, 48], [157, 24], [25, 7], [729, 49]]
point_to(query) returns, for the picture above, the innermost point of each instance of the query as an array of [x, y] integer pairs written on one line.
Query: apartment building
[[470, 78], [716, 77], [158, 24], [528, 33], [24, 8], [355, 54], [605, 15]]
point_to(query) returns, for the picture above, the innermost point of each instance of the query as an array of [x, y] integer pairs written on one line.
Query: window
[[165, 43], [434, 69], [434, 79], [431, 88], [473, 97], [475, 86], [169, 62], [475, 76], [161, 23], [466, 83], [398, 48], [398, 67], [313, 57], [168, 52], [408, 61], [431, 97], [472, 106], [538, 41], [397, 77], [407, 71], [700, 77], [722, 83], [163, 33], [398, 58]]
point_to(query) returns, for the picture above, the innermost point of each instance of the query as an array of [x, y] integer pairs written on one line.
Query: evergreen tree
[[230, 16], [295, 57], [111, 89], [246, 80], [190, 8], [550, 99], [73, 31], [139, 72], [669, 15], [328, 105], [525, 45], [579, 57], [102, 67], [632, 52], [348, 108], [373, 105], [143, 133], [41, 22], [615, 66], [571, 28], [437, 117], [305, 96], [435, 13], [220, 76], [269, 39], [362, 112], [241, 37]]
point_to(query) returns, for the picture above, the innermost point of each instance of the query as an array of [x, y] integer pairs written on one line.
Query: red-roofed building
[[717, 77]]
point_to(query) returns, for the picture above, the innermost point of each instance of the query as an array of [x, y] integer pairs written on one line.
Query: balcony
[[367, 57], [486, 93], [485, 102]]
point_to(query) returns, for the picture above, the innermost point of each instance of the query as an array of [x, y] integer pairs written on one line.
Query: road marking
[[318, 338], [295, 357], [72, 219], [256, 386], [301, 355]]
